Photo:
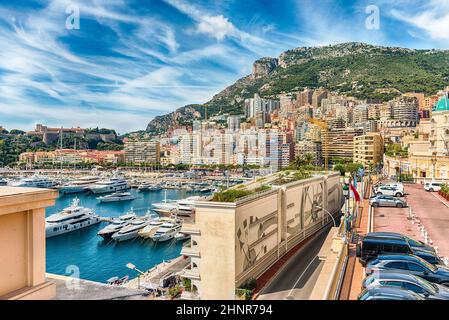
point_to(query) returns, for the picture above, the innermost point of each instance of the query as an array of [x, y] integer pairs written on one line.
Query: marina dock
[[152, 278]]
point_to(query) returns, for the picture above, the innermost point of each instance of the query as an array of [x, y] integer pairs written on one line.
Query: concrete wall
[[22, 243]]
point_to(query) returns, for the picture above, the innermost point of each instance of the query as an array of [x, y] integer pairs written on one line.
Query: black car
[[411, 264], [414, 244], [388, 293], [371, 247]]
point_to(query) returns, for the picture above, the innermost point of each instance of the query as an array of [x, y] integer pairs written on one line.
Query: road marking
[[440, 200], [289, 296]]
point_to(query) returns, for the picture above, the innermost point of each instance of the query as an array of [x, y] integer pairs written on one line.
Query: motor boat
[[77, 186], [153, 226], [130, 231], [113, 184], [150, 229], [116, 225], [34, 182], [149, 187], [117, 197], [116, 281], [182, 236], [70, 219], [186, 205], [166, 231]]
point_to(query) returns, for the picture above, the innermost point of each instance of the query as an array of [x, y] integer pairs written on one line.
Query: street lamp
[[131, 266], [330, 214]]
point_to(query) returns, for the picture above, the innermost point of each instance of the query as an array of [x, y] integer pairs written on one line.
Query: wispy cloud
[[131, 61]]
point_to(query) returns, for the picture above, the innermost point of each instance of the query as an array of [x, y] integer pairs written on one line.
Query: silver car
[[407, 281], [387, 201]]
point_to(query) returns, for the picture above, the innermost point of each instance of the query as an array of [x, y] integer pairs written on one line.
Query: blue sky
[[132, 60]]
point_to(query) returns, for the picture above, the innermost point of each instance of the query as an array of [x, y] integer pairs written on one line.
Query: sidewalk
[[354, 273]]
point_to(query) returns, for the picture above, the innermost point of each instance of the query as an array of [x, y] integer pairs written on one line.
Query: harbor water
[[85, 255]]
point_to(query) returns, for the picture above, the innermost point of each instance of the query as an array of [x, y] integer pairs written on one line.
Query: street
[[297, 278]]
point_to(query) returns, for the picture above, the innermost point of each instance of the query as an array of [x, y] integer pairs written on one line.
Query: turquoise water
[[97, 259]]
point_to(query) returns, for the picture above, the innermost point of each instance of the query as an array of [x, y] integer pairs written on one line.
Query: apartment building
[[259, 105], [317, 96], [142, 151], [368, 149], [360, 113], [310, 147], [340, 143]]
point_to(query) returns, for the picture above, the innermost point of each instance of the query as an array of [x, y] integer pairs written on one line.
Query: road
[[428, 207], [297, 277]]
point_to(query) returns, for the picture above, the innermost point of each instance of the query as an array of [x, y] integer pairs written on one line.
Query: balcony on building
[[190, 228], [190, 250], [191, 272], [22, 244]]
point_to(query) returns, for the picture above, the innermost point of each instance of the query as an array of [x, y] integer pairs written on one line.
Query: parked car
[[389, 191], [432, 186], [388, 293], [407, 281], [415, 244], [387, 201], [371, 247], [396, 185], [411, 264]]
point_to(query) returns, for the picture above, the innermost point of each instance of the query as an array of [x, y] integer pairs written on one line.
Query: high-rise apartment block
[[368, 149], [142, 151]]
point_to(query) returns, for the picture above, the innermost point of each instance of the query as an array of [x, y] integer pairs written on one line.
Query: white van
[[396, 185], [432, 186]]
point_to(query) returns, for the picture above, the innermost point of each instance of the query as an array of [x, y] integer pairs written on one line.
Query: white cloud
[[216, 26], [433, 19]]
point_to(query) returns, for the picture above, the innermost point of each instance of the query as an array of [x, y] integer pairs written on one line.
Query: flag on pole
[[354, 191]]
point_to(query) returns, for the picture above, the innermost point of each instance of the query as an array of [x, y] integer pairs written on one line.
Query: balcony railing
[[190, 228], [190, 251]]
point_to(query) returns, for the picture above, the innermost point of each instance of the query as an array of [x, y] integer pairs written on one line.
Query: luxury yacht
[[117, 224], [131, 230], [34, 182], [166, 231], [70, 219], [117, 197], [185, 205], [77, 186], [113, 184]]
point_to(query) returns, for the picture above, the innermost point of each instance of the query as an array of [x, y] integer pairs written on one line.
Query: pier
[[152, 278]]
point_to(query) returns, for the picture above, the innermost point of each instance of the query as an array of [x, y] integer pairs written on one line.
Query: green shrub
[[230, 195]]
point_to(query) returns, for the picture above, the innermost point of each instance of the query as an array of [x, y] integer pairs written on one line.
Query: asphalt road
[[297, 278]]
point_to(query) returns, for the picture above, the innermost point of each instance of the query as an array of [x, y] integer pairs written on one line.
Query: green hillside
[[356, 69]]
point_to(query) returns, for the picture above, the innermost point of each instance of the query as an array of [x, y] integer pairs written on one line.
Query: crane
[[325, 130]]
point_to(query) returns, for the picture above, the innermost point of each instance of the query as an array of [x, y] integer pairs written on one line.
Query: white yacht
[[77, 186], [34, 182], [70, 219], [113, 184], [186, 205], [166, 231], [152, 227], [116, 225], [131, 230], [117, 197], [182, 236]]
